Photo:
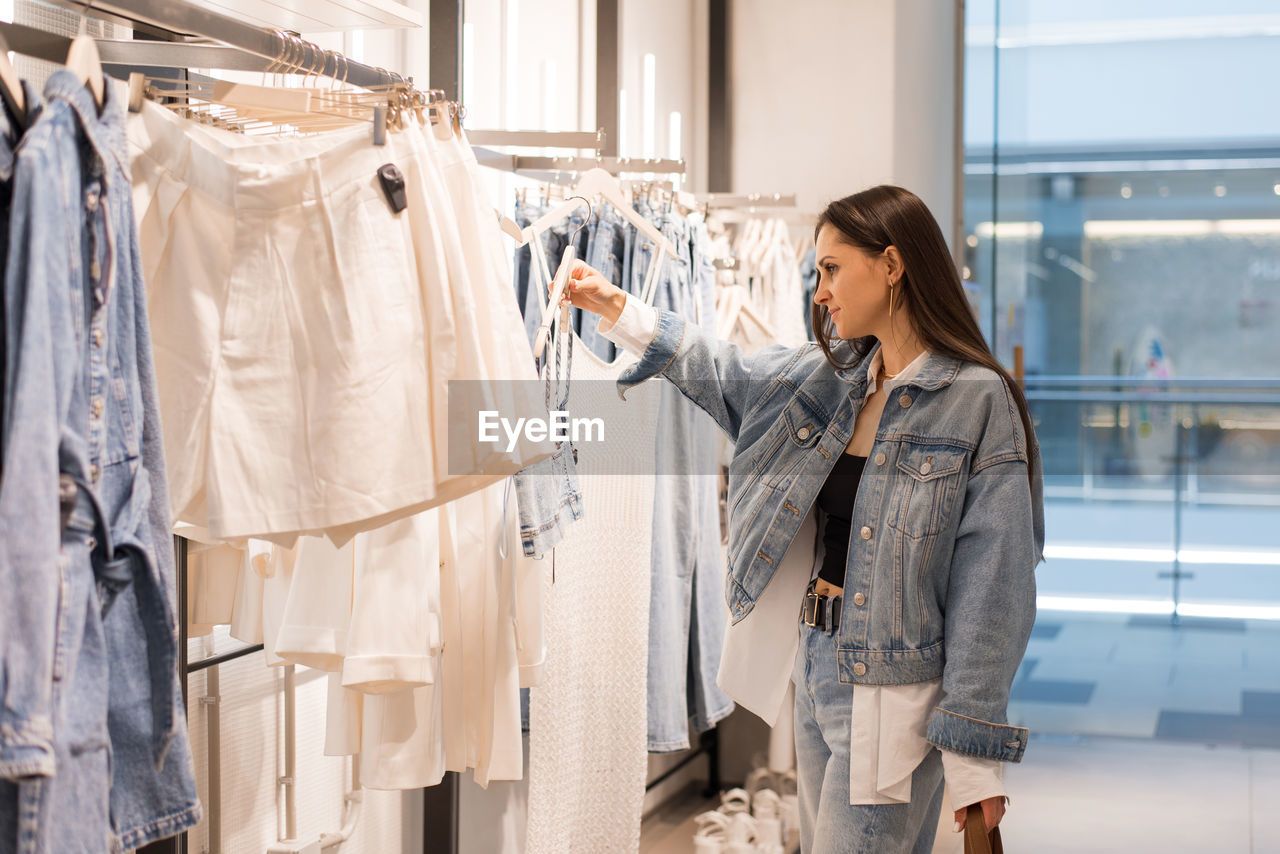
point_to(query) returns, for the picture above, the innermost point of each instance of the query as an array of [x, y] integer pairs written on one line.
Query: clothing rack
[[185, 19], [192, 36], [708, 746], [750, 200]]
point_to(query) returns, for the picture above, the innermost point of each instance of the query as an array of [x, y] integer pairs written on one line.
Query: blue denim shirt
[[947, 528], [83, 404]]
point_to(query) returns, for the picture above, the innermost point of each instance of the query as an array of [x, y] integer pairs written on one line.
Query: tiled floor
[[1210, 681], [1145, 738]]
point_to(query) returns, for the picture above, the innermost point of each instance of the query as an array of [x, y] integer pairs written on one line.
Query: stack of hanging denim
[[94, 754], [604, 243], [808, 287], [687, 614]]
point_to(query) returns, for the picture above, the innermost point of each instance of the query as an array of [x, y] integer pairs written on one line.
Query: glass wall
[[1122, 217], [1122, 226]]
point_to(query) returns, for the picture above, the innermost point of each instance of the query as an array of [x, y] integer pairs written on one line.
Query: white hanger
[[735, 311], [84, 61], [509, 227], [597, 182]]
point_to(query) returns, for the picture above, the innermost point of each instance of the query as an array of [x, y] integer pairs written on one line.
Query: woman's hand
[[590, 291], [992, 811]]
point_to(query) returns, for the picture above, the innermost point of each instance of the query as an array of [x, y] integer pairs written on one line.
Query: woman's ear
[[893, 261]]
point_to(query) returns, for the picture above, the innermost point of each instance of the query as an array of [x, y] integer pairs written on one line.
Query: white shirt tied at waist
[[887, 741]]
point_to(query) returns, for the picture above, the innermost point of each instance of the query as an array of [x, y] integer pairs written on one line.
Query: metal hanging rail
[[539, 138], [751, 200], [185, 18]]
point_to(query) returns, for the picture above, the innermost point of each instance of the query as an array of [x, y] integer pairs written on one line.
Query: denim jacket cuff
[[972, 737], [660, 353], [26, 749]]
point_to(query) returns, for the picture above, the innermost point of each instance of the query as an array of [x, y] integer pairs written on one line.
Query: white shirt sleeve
[[970, 779], [635, 327]]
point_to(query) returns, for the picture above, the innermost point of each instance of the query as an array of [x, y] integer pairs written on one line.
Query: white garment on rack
[[313, 630], [342, 719], [448, 562], [482, 638], [305, 333], [213, 573], [256, 566], [588, 727]]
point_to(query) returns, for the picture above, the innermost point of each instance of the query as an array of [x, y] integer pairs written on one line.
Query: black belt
[[822, 612]]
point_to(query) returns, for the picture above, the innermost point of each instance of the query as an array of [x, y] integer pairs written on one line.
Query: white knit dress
[[588, 735]]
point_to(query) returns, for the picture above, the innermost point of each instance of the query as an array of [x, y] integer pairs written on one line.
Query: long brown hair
[[930, 288]]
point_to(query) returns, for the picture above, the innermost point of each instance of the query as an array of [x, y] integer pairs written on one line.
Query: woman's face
[[853, 285]]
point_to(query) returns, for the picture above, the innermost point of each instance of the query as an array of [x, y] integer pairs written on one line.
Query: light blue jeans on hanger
[[828, 824], [604, 252], [686, 610]]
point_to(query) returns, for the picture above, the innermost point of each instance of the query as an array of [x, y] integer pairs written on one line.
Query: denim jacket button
[[865, 532], [904, 401], [880, 458], [859, 669], [802, 433], [926, 468], [859, 599]]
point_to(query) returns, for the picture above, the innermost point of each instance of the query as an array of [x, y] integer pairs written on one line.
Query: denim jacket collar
[[938, 371], [107, 136]]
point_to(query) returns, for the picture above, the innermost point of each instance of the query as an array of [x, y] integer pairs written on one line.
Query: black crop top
[[836, 500]]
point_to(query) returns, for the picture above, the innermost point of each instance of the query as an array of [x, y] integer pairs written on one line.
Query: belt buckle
[[809, 614]]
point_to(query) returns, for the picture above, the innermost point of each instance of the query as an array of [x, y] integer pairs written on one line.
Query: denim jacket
[[947, 528], [81, 414]]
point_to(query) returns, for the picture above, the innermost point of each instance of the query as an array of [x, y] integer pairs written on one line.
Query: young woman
[[913, 450]]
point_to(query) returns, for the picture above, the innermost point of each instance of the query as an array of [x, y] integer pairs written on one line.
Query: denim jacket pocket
[[928, 478], [800, 434]]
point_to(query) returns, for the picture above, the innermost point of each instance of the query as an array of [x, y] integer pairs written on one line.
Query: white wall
[[832, 96], [667, 30]]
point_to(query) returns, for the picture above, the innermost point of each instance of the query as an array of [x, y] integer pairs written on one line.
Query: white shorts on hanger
[[287, 327]]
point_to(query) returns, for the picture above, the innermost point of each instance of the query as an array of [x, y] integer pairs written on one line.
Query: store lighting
[[1276, 189], [468, 64], [1118, 553], [1219, 190], [649, 96], [1104, 606], [1009, 229], [1138, 554], [1159, 607], [1101, 229], [624, 146], [1248, 226], [550, 103], [971, 240], [1126, 191], [511, 60]]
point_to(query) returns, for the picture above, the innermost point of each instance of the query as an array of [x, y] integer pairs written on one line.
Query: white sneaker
[[713, 830]]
